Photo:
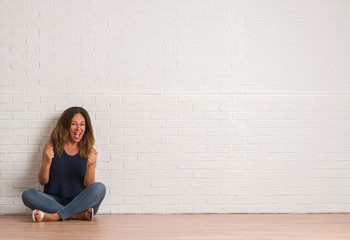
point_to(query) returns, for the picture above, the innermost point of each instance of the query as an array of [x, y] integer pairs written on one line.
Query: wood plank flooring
[[181, 227]]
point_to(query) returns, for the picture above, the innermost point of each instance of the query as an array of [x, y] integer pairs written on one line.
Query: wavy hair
[[60, 134]]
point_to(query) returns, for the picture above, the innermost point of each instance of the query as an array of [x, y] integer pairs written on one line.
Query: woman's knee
[[99, 187], [28, 194]]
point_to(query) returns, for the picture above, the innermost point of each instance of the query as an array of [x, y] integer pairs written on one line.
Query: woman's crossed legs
[[54, 209]]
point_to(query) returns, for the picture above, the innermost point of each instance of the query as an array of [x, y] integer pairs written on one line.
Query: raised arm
[[44, 173], [90, 168]]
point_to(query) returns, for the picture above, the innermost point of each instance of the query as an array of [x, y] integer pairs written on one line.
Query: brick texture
[[229, 106]]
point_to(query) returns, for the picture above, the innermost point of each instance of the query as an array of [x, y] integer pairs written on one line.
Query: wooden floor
[[191, 226]]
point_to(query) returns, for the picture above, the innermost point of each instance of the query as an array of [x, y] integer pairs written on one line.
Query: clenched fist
[[92, 158], [48, 154]]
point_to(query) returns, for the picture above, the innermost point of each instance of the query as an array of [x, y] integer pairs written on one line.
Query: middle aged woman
[[67, 172]]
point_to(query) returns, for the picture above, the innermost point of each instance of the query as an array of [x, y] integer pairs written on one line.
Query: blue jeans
[[90, 197]]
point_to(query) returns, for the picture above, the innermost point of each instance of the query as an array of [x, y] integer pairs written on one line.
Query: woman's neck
[[71, 148]]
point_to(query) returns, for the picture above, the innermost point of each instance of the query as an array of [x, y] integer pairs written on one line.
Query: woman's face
[[77, 128]]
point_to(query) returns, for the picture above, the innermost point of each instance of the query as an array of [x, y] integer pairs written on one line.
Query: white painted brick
[[218, 149], [218, 132], [151, 157], [137, 149], [177, 90], [136, 131], [150, 123], [192, 132], [12, 157], [187, 140], [178, 124], [124, 192], [7, 107], [163, 165], [192, 182], [23, 166], [5, 115], [136, 183], [163, 149], [179, 174], [26, 99], [159, 200], [206, 107], [154, 209], [163, 99], [6, 166], [12, 123], [178, 107], [191, 115], [100, 124], [109, 115], [72, 90], [150, 140], [217, 115], [126, 124], [12, 141], [110, 148], [232, 90], [220, 200], [13, 209], [233, 107], [191, 165], [137, 115], [26, 184], [163, 132], [190, 99], [163, 183], [125, 107], [96, 107], [205, 90], [136, 89], [28, 148], [40, 107], [6, 149], [205, 157], [232, 140], [236, 174], [123, 209], [163, 115], [135, 99], [206, 174], [212, 109], [151, 174], [24, 132]]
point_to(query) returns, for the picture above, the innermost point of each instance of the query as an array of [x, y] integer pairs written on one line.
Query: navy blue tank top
[[67, 175]]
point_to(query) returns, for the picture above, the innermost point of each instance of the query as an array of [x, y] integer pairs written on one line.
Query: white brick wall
[[198, 106]]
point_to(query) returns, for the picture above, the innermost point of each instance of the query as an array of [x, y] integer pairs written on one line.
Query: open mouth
[[77, 135]]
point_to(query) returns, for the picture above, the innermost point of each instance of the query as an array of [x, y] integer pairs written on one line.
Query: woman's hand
[[90, 168], [91, 161], [48, 155]]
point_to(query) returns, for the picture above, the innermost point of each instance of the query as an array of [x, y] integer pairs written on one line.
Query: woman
[[67, 172]]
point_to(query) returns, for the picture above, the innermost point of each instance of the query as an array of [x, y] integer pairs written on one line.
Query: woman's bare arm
[[44, 173], [90, 168]]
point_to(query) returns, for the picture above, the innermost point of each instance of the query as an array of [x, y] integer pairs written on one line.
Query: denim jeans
[[90, 197]]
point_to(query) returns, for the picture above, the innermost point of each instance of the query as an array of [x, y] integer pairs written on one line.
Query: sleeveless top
[[67, 175]]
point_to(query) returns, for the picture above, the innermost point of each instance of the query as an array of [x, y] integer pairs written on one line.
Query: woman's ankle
[[81, 216], [51, 217]]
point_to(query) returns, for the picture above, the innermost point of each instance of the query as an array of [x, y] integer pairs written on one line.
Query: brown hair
[[60, 134]]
